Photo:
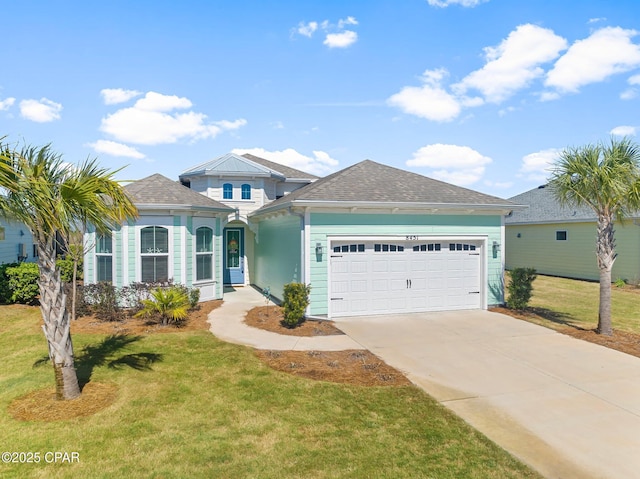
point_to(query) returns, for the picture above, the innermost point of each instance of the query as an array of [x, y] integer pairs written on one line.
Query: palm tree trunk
[[605, 251], [56, 325]]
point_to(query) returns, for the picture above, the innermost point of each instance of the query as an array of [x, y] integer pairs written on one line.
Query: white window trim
[[164, 222], [196, 227], [96, 255]]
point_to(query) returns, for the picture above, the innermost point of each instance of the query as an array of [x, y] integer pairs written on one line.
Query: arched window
[[227, 191], [154, 252], [246, 192], [204, 253], [104, 257]]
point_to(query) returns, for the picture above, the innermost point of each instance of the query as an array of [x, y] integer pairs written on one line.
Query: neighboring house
[[177, 236], [16, 243], [369, 239], [561, 241]]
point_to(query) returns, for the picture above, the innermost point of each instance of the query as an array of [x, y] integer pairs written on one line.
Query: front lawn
[[206, 408], [575, 303]]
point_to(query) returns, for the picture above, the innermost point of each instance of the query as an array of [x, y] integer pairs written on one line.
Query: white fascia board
[[417, 206], [156, 207]]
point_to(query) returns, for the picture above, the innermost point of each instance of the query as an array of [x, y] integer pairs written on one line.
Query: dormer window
[[246, 192], [227, 191]]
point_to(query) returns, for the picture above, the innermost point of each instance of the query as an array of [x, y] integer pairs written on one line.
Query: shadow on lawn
[[557, 318], [105, 353]]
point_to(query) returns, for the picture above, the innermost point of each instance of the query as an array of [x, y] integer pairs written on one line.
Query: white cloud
[[115, 149], [152, 121], [335, 34], [634, 80], [455, 164], [341, 40], [596, 20], [624, 130], [537, 166], [307, 29], [320, 163], [499, 184], [463, 3], [604, 53], [7, 103], [429, 101], [513, 64], [347, 21], [112, 96], [41, 111], [629, 94]]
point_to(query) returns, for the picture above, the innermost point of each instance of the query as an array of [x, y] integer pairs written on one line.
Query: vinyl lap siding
[[538, 248], [277, 253]]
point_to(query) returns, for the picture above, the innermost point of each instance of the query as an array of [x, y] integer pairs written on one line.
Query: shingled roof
[[370, 182], [544, 208], [157, 190]]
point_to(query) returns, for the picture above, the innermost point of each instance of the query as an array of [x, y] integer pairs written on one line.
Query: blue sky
[[483, 94]]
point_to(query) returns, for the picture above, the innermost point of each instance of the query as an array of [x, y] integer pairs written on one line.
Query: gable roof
[[244, 165], [158, 191], [372, 184], [544, 208]]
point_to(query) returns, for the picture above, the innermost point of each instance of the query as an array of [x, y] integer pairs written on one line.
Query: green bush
[[23, 282], [66, 269], [520, 287], [5, 289], [295, 302], [194, 297]]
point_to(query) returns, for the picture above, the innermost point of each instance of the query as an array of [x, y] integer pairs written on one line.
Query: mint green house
[[369, 239], [561, 241], [178, 236]]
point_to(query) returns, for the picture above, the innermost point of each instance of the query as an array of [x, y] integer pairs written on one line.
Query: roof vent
[[542, 186]]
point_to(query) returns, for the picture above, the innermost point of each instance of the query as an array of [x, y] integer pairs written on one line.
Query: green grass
[[573, 302], [211, 409]]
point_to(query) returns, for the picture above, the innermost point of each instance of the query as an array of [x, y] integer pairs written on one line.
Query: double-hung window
[[104, 257], [204, 253], [154, 252]]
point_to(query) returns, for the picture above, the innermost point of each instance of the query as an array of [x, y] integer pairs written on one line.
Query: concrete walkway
[[227, 323], [568, 408]]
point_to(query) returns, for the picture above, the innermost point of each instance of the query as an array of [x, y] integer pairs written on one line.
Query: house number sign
[[411, 237]]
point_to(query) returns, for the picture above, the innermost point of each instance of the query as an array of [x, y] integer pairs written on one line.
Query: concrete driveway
[[568, 408]]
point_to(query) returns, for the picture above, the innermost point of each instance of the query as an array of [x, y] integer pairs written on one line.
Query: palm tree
[[606, 178], [52, 197]]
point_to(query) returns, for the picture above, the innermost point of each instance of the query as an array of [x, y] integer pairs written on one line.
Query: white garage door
[[376, 277]]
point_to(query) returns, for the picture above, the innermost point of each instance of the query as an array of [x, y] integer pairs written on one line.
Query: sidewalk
[[227, 323]]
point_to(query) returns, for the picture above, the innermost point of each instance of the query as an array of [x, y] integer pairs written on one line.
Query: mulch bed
[[41, 405], [359, 367], [197, 320], [270, 318], [620, 340]]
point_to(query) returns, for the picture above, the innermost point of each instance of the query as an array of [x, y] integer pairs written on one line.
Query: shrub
[[5, 289], [520, 287], [103, 298], [194, 297], [620, 283], [171, 304], [295, 302], [23, 282], [66, 269]]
